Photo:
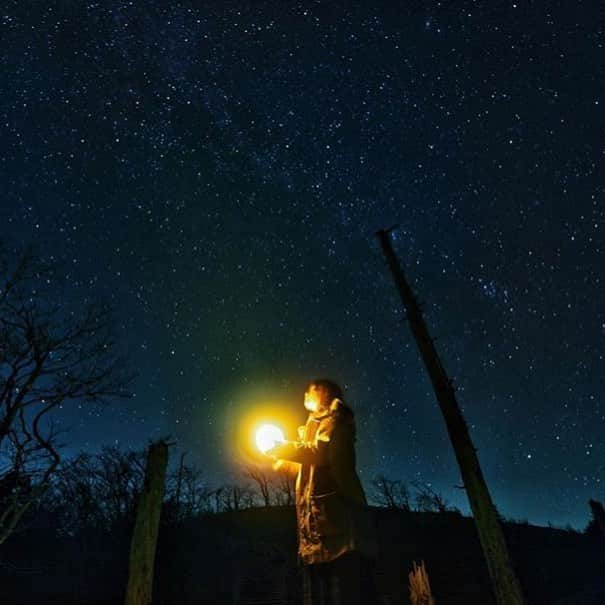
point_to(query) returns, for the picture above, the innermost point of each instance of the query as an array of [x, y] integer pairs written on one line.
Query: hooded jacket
[[331, 506]]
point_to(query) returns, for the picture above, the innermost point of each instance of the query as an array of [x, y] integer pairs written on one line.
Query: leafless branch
[[49, 357]]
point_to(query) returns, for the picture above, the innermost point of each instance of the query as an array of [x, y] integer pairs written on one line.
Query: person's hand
[[276, 451], [272, 453]]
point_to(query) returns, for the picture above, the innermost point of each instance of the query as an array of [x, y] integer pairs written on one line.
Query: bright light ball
[[267, 436]]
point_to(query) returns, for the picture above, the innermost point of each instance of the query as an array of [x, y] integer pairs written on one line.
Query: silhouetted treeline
[[100, 491]]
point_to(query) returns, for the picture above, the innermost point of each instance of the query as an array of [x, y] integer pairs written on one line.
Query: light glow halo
[[267, 436]]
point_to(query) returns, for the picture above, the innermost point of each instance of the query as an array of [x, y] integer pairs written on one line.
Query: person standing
[[336, 541]]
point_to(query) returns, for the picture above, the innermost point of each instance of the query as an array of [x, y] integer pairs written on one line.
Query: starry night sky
[[216, 172]]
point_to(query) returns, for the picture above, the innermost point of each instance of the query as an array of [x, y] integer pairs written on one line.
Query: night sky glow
[[216, 171]]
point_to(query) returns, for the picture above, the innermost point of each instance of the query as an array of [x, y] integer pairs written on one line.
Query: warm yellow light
[[267, 436]]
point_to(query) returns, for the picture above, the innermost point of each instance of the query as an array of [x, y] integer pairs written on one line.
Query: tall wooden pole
[[507, 589], [146, 527]]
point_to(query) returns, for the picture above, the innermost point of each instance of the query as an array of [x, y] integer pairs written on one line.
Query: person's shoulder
[[332, 415], [341, 413], [338, 414], [339, 408]]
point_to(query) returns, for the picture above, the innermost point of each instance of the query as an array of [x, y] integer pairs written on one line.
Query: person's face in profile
[[315, 398]]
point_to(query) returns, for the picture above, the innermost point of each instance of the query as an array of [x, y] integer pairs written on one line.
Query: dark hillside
[[249, 557]]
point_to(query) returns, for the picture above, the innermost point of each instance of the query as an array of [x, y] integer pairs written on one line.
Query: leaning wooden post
[[598, 514], [507, 589], [146, 527]]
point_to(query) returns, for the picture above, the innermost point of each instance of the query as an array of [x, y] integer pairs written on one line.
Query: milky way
[[216, 172]]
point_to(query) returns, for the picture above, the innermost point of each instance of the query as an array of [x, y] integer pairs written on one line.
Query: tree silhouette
[[263, 479], [284, 492], [390, 493], [49, 357], [188, 494], [429, 500]]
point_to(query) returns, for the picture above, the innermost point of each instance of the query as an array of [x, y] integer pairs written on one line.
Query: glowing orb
[[267, 436]]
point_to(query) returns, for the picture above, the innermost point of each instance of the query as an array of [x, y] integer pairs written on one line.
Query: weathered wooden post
[[146, 527], [598, 515], [507, 589]]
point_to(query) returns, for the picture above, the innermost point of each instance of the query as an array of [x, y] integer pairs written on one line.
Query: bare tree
[[390, 493], [235, 497], [195, 493], [99, 490], [284, 489], [429, 500], [119, 476], [74, 495], [263, 479], [187, 493], [217, 498], [49, 358]]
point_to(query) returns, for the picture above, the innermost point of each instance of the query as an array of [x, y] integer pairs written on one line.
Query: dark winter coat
[[331, 506]]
